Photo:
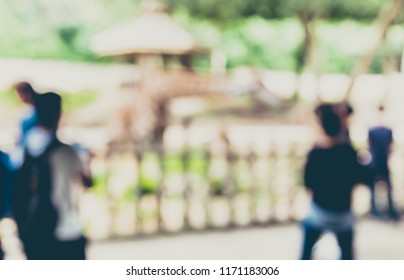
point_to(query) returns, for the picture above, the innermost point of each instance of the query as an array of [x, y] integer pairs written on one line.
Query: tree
[[308, 12], [386, 18]]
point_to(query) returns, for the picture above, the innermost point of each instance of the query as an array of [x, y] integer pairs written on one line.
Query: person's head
[[381, 108], [322, 109], [26, 93], [49, 110], [331, 124], [381, 116]]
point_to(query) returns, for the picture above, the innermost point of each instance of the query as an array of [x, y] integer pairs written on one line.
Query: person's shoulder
[[65, 150], [380, 129], [315, 151], [346, 149], [345, 146], [3, 158]]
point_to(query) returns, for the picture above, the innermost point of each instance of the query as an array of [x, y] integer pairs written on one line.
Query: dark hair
[[49, 109], [331, 123], [26, 92], [24, 87], [323, 108]]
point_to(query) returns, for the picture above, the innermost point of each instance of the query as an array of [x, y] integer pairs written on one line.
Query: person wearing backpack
[[45, 199]]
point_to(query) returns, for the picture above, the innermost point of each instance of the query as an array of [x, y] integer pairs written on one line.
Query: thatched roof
[[154, 32]]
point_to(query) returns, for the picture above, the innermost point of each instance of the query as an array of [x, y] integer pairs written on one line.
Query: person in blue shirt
[[10, 163], [380, 139], [5, 190], [28, 96]]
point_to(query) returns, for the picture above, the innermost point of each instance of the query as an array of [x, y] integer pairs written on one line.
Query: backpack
[[34, 213]]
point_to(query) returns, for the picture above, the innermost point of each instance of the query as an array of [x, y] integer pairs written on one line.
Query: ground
[[374, 240]]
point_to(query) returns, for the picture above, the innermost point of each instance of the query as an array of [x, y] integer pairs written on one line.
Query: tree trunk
[[306, 54], [385, 20], [308, 60]]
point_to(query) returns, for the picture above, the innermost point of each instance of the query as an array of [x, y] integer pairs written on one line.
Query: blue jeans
[[313, 234], [384, 177]]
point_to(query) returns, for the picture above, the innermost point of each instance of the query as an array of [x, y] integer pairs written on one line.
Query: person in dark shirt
[[380, 139], [45, 201], [5, 190], [330, 173]]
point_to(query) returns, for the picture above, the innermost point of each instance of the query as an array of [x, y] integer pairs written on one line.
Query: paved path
[[374, 240]]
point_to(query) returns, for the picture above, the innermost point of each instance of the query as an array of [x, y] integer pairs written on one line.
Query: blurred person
[[45, 200], [6, 185], [380, 139], [344, 110], [5, 190], [323, 108], [28, 96], [330, 173], [8, 163]]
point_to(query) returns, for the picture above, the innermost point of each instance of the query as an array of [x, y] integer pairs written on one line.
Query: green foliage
[[262, 33], [10, 98], [264, 44], [128, 195], [198, 164], [71, 101], [221, 12], [173, 164], [150, 173], [77, 100], [218, 185], [342, 43], [364, 10], [57, 29], [242, 177], [100, 184]]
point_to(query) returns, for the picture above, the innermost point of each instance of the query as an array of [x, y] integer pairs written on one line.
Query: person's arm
[[391, 139], [83, 161], [310, 177], [86, 174], [369, 140], [362, 173], [87, 178]]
